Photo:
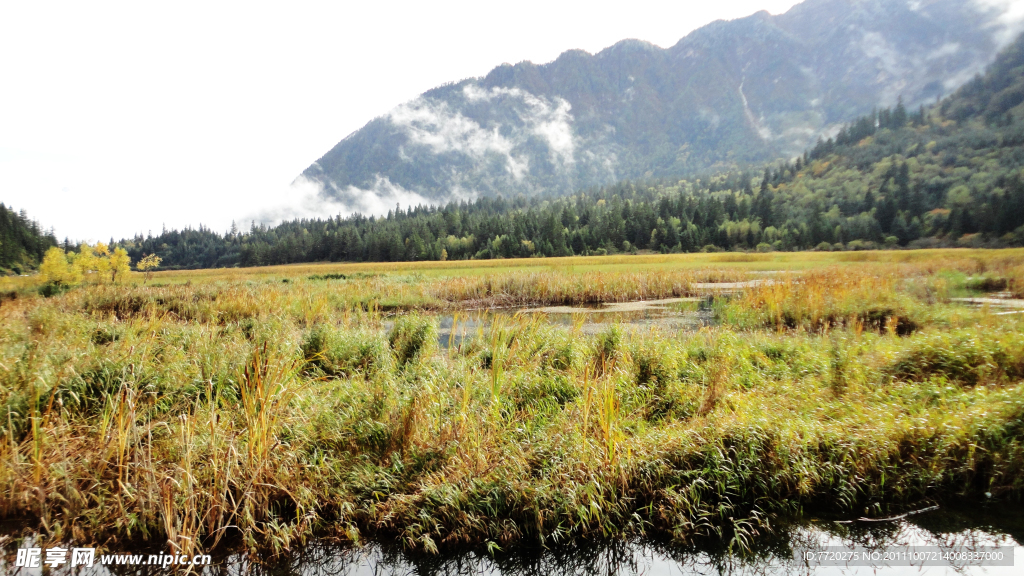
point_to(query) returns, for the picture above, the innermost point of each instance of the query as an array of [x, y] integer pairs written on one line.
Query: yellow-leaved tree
[[102, 254], [57, 268], [147, 264], [83, 261], [119, 264], [96, 261], [93, 260]]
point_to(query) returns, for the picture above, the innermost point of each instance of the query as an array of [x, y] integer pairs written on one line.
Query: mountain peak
[[730, 93], [630, 45]]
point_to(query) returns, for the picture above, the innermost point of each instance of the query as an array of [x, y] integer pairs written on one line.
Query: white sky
[[117, 118]]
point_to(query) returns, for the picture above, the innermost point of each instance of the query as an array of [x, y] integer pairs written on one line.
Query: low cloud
[[1009, 19], [503, 133], [549, 120], [947, 49], [432, 123], [310, 199]]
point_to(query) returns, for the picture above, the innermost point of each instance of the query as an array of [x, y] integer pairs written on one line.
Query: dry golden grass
[[243, 407], [615, 263]]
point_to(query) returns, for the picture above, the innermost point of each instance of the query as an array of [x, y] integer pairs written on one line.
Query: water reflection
[[667, 315], [772, 555], [608, 558], [776, 554]]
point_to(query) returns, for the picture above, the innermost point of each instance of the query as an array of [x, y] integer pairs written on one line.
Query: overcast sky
[[122, 118]]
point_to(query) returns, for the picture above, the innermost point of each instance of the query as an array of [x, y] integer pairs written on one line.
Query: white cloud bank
[[436, 125], [514, 118], [550, 120], [310, 199], [432, 123], [1009, 21]]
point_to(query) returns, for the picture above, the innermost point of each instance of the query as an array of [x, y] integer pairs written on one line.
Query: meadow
[[266, 407]]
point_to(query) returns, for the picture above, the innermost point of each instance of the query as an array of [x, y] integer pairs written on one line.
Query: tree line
[[22, 242], [917, 198]]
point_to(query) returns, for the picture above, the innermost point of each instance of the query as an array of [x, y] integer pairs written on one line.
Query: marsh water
[[663, 315], [957, 530], [783, 551], [667, 315]]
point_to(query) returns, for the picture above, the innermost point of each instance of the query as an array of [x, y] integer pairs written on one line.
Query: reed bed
[[268, 413], [560, 288], [900, 298], [939, 258]]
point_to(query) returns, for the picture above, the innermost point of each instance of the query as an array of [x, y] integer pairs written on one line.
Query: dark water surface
[[958, 530]]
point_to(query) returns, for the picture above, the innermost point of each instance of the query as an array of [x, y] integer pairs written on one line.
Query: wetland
[[634, 413]]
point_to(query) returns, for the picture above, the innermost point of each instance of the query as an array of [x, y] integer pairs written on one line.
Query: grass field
[[272, 405], [623, 263]]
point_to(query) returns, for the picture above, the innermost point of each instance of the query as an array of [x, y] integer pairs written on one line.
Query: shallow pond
[[668, 315]]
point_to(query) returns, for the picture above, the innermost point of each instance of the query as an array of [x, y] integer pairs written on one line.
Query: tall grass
[[877, 297], [554, 288], [270, 413], [823, 299]]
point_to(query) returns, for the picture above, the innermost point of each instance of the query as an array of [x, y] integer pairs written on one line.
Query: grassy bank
[[244, 404]]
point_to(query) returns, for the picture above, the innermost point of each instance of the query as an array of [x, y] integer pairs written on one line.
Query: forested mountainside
[[949, 174], [22, 242], [729, 94]]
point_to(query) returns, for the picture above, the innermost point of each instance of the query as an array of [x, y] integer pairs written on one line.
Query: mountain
[[950, 174], [731, 93]]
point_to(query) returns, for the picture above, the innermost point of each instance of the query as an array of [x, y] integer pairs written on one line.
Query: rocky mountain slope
[[730, 93], [949, 174]]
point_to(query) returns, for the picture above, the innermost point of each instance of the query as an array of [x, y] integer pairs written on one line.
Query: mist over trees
[[824, 203]]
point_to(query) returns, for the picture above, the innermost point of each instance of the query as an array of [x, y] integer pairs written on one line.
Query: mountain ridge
[[950, 174], [730, 93]]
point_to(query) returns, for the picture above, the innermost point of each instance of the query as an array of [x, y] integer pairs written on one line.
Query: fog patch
[[947, 49], [432, 123], [757, 123], [548, 119], [554, 127], [310, 199], [1008, 22], [876, 47]]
